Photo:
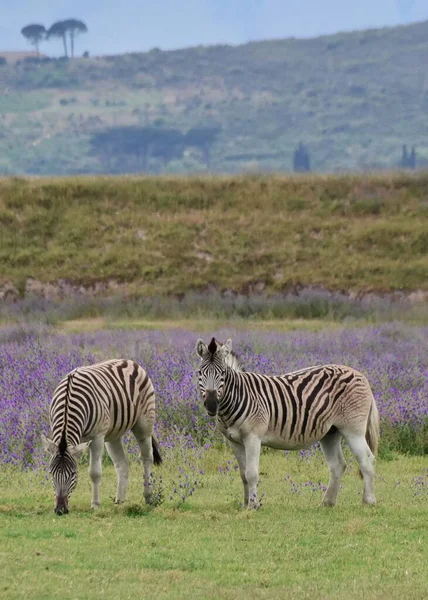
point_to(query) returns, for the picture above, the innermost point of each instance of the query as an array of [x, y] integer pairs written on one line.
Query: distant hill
[[353, 99]]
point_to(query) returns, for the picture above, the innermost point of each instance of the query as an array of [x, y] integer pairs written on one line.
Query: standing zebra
[[94, 404], [289, 412]]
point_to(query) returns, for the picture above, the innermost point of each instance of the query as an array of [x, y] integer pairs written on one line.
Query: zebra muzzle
[[61, 506], [211, 403]]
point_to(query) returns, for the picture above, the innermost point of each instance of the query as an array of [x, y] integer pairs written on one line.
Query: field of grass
[[353, 98], [157, 236], [197, 325], [196, 541], [207, 547]]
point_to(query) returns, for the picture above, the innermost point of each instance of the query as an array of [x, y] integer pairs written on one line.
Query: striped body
[[100, 403], [290, 412], [295, 410], [105, 400]]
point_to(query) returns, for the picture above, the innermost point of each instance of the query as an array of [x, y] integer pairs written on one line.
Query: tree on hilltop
[[59, 30], [34, 33], [74, 27], [70, 27]]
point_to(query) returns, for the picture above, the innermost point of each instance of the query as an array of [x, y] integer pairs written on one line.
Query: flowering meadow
[[32, 361], [194, 540]]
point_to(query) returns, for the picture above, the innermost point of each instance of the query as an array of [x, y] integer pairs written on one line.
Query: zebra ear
[[226, 349], [78, 451], [49, 446], [201, 348]]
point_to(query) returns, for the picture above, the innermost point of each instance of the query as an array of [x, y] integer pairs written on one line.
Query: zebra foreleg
[[144, 441], [96, 448], [252, 445], [239, 452], [117, 454], [332, 449]]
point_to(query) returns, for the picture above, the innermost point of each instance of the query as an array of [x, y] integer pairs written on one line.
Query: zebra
[[232, 360], [290, 412], [96, 404]]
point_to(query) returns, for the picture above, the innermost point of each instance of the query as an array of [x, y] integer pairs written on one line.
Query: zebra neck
[[68, 430], [230, 400], [70, 437]]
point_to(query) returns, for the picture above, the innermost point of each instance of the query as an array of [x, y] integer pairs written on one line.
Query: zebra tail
[[157, 458], [372, 431]]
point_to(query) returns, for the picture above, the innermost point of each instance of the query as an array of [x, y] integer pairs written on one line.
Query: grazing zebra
[[232, 359], [94, 404], [290, 412]]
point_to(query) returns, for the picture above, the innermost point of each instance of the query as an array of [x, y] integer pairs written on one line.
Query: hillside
[[352, 98], [157, 236]]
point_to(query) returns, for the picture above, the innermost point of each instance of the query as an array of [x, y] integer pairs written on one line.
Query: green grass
[[209, 547], [161, 236], [354, 99], [196, 325]]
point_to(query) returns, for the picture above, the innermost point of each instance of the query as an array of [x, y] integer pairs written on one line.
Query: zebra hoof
[[328, 503], [95, 505], [369, 501]]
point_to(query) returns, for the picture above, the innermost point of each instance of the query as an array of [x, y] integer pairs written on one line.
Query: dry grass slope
[[172, 235]]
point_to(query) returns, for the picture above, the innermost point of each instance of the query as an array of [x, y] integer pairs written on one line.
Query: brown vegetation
[[247, 234]]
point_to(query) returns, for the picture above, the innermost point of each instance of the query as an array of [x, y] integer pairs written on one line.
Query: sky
[[118, 26]]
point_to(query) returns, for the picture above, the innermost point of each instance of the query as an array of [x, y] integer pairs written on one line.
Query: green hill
[[157, 236], [352, 98]]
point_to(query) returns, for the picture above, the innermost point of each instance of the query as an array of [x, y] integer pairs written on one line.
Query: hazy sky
[[117, 26]]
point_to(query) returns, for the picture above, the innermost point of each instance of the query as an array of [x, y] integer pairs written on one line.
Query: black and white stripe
[[291, 411], [100, 403]]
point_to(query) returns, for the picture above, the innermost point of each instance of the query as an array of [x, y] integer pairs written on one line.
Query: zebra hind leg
[[365, 458], [239, 452], [96, 448], [144, 440], [117, 454], [332, 449]]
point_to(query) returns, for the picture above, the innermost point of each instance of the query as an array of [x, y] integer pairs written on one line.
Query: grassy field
[[197, 542], [150, 238], [196, 325], [158, 236], [353, 98], [208, 547]]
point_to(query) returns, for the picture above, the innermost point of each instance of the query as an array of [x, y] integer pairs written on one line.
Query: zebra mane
[[62, 447], [232, 360], [62, 444]]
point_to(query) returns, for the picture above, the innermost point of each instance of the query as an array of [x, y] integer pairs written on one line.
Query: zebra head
[[214, 362], [63, 468]]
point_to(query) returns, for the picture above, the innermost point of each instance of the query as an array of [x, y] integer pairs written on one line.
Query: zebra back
[[300, 406], [104, 399]]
